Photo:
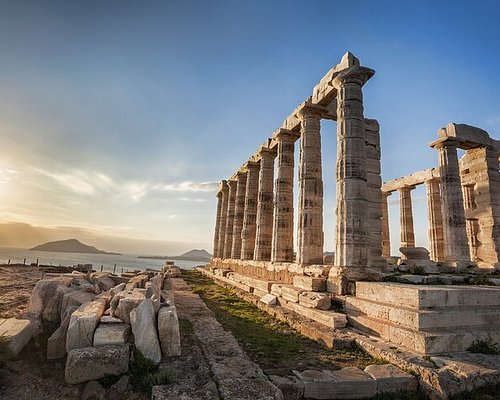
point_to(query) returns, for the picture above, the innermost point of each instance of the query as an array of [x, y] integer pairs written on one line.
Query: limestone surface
[[111, 334], [83, 324], [143, 321], [168, 331]]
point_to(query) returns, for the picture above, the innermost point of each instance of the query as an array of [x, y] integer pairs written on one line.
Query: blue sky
[[117, 117]]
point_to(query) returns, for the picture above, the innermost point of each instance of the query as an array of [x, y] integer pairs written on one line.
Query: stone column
[[250, 217], [310, 215], [282, 247], [456, 247], [239, 212], [435, 217], [352, 230], [228, 244], [217, 225], [386, 237], [223, 219], [265, 208], [406, 217]]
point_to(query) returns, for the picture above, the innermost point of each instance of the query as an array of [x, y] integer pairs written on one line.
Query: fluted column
[[282, 247], [435, 217], [224, 189], [239, 212], [352, 230], [310, 214], [406, 217], [249, 219], [456, 247], [228, 244], [386, 236], [217, 225], [264, 236]]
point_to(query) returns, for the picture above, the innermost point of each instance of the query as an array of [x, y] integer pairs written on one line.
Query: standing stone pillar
[[386, 236], [239, 212], [217, 225], [228, 244], [456, 247], [224, 189], [265, 208], [435, 216], [282, 247], [250, 217], [310, 215], [352, 230], [406, 217]]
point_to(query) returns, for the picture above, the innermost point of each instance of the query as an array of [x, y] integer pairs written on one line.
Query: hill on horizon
[[69, 246], [191, 255]]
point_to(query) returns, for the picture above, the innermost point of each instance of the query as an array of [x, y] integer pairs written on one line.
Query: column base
[[342, 280]]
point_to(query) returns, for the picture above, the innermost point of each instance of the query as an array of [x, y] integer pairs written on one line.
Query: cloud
[[192, 199], [187, 186]]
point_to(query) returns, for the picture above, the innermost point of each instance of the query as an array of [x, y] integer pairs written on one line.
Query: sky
[[118, 118]]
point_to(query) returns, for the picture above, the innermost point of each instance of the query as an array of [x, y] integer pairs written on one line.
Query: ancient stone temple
[[255, 252]]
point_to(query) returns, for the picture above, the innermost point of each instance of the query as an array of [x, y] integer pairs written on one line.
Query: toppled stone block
[[138, 281], [168, 331], [123, 303], [18, 332], [56, 343], [390, 378], [309, 283], [42, 293], [108, 319], [52, 311], [110, 334], [415, 253], [290, 293], [105, 283], [75, 299], [291, 387], [117, 289], [143, 321], [91, 363], [269, 299], [83, 323], [321, 301]]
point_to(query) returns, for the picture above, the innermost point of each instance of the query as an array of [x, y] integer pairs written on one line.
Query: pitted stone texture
[[310, 283], [52, 311], [105, 283], [18, 332], [391, 379], [143, 321], [168, 331], [269, 299], [239, 213], [231, 203], [76, 299], [42, 293], [321, 301], [111, 334], [291, 293], [250, 217], [83, 323], [91, 363], [123, 303]]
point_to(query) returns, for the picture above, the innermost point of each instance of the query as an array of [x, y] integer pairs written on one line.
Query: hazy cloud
[[188, 186]]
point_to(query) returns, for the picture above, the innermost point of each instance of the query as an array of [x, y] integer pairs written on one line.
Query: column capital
[[223, 187], [310, 110], [386, 194], [286, 135], [266, 152], [444, 143], [232, 182], [356, 74], [250, 165], [240, 173], [433, 180], [406, 189]]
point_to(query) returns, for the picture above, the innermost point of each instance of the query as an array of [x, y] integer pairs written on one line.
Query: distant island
[[70, 246], [192, 255]]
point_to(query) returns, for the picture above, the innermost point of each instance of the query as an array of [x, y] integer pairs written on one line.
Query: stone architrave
[[239, 213], [250, 218], [282, 247], [436, 244], [231, 202], [223, 218], [386, 237], [406, 217], [217, 224], [310, 213], [352, 243], [456, 247], [264, 235]]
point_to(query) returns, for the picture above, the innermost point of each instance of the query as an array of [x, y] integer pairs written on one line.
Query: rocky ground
[[16, 284]]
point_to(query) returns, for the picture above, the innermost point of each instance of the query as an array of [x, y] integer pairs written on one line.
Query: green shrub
[[144, 374]]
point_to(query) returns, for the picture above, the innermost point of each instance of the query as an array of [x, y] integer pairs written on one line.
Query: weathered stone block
[[290, 293], [329, 318], [111, 334], [18, 332], [42, 293], [76, 299], [168, 331], [390, 378], [90, 363], [56, 343], [83, 323], [321, 301], [310, 283], [52, 311], [269, 299], [123, 303], [143, 321]]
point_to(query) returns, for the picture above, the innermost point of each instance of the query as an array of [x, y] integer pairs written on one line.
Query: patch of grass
[[483, 347], [487, 392], [481, 280], [270, 343], [144, 374]]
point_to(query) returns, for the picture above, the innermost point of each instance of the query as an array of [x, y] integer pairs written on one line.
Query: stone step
[[429, 341], [329, 318], [422, 297], [443, 317]]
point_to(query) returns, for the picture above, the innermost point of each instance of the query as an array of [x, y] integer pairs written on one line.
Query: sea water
[[109, 262]]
